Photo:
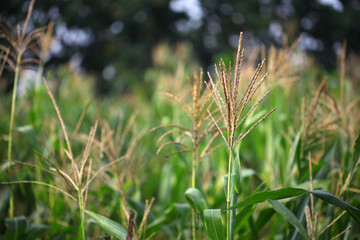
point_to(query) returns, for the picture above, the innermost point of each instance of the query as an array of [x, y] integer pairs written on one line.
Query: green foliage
[[214, 227], [329, 198], [16, 228], [270, 195], [109, 225], [289, 216], [196, 200], [308, 152]]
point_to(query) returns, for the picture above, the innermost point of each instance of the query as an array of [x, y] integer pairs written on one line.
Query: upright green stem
[[193, 174], [82, 214], [11, 128], [193, 184], [228, 197], [228, 216]]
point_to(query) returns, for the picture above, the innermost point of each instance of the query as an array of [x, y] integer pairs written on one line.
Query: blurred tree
[[113, 39], [324, 25]]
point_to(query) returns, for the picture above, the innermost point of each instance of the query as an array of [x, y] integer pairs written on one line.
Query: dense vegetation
[[153, 163]]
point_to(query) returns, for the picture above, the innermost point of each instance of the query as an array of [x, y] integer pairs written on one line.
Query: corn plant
[[299, 167], [197, 133], [232, 107], [19, 43]]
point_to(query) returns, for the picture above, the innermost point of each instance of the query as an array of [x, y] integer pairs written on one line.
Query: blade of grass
[[289, 216]]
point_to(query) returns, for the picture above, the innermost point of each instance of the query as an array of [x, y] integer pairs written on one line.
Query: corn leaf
[[196, 200], [214, 227], [289, 216], [292, 192], [271, 195], [329, 198], [15, 227], [109, 225]]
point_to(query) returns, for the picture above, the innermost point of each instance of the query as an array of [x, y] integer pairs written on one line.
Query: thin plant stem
[[193, 174], [11, 130], [228, 215], [193, 184], [194, 223], [82, 214]]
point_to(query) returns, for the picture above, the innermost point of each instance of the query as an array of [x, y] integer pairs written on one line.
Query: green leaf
[[289, 216], [329, 198], [109, 225], [272, 195], [292, 192], [354, 214], [15, 227], [196, 200], [213, 224]]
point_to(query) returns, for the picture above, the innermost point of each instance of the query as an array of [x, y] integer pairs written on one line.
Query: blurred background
[[116, 41]]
